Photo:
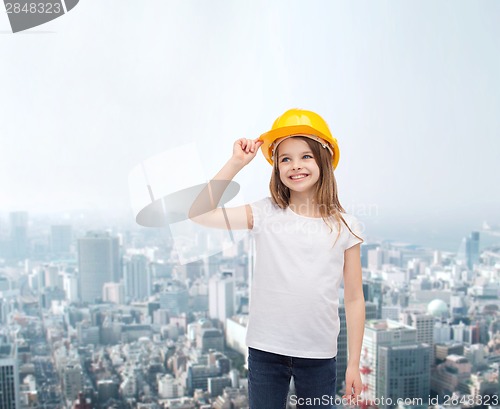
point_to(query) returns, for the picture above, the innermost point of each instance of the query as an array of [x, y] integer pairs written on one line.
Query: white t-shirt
[[294, 290]]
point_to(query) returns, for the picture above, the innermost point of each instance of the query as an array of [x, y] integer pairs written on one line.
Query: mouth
[[299, 176]]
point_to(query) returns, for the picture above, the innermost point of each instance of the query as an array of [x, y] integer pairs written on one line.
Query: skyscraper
[[61, 237], [372, 290], [19, 248], [136, 277], [472, 249], [72, 378], [469, 249], [9, 377], [390, 334], [424, 323], [403, 371], [221, 296], [98, 262]]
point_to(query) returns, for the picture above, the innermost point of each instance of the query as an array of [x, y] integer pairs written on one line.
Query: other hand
[[353, 384]]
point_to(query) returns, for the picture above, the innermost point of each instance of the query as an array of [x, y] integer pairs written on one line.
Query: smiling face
[[298, 169]]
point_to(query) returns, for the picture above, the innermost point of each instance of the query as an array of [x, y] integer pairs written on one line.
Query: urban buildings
[[112, 319], [98, 263], [9, 377]]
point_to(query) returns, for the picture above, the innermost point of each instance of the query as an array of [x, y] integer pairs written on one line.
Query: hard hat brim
[[269, 137]]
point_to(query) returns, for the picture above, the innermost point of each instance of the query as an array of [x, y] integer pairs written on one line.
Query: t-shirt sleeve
[[357, 228], [258, 212]]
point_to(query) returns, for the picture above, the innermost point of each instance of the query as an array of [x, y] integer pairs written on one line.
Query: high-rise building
[[98, 263], [53, 277], [376, 258], [197, 376], [9, 377], [72, 381], [136, 277], [216, 385], [19, 246], [472, 249], [174, 298], [372, 290], [365, 248], [383, 333], [403, 371], [424, 324], [221, 296], [61, 237], [70, 286], [235, 331], [209, 338], [469, 249]]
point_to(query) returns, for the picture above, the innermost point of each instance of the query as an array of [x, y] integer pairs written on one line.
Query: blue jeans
[[269, 377]]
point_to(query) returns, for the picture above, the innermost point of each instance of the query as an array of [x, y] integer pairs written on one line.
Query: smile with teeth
[[300, 176]]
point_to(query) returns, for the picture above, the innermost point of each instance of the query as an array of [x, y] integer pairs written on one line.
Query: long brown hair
[[325, 193]]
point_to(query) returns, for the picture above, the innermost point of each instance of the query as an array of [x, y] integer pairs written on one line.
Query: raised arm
[[204, 209]]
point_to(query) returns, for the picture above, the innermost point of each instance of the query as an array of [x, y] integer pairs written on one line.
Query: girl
[[305, 245]]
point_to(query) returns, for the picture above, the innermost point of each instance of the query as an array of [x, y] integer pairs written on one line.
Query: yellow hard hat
[[296, 122]]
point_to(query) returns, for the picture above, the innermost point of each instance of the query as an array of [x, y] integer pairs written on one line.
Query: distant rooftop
[[386, 325], [404, 347], [459, 359]]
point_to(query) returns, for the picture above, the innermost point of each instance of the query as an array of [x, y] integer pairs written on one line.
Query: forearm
[[355, 320], [211, 194]]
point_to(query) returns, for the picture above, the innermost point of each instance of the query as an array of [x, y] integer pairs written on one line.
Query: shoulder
[[262, 210], [348, 217], [355, 226], [264, 203], [352, 222]]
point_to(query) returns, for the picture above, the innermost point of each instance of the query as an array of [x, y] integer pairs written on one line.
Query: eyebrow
[[284, 154]]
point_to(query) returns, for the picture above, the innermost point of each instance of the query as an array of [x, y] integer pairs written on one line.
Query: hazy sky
[[410, 89]]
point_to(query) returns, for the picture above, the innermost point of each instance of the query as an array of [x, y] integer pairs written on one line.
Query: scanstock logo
[[25, 14]]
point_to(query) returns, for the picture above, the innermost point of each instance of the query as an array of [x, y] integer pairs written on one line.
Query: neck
[[304, 202]]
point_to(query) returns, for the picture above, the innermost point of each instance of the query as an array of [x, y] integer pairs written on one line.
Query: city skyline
[[432, 323], [439, 234], [410, 91]]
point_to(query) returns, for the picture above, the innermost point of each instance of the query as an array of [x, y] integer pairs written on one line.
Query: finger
[[253, 146]]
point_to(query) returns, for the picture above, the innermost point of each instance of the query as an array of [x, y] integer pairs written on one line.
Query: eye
[[307, 155], [283, 159]]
